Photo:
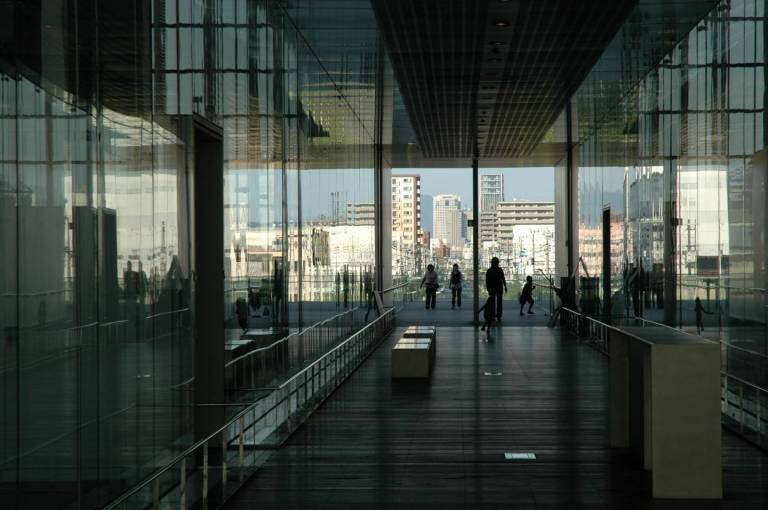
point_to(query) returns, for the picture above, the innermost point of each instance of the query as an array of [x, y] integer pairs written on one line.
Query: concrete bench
[[422, 332], [412, 358]]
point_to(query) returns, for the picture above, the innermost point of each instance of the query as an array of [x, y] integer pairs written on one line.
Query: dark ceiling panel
[[492, 74]]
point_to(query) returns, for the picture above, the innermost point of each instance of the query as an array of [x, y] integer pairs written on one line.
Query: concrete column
[[475, 240], [208, 276]]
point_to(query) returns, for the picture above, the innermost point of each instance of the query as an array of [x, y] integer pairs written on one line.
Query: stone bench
[[422, 332], [413, 358]]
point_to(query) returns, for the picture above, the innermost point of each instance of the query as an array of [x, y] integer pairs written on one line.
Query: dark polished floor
[[377, 444]]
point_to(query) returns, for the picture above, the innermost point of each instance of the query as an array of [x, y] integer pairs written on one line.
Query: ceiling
[[492, 75]]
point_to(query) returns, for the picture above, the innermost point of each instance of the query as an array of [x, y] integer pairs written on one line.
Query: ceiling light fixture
[[497, 43], [501, 23]]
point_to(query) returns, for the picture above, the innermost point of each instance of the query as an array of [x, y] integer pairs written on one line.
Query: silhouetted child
[[489, 314], [699, 309]]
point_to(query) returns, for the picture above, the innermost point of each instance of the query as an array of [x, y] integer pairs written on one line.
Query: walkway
[[379, 444], [413, 312]]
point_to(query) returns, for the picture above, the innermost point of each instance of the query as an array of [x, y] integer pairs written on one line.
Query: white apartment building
[[361, 213], [521, 212], [406, 210]]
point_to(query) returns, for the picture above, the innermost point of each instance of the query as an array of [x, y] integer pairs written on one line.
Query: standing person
[[457, 279], [526, 296], [496, 285], [345, 289], [699, 309], [488, 315], [338, 289], [431, 284], [241, 310], [368, 288]]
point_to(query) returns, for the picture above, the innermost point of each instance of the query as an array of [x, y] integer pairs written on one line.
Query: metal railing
[[402, 293], [207, 473], [264, 367], [744, 404]]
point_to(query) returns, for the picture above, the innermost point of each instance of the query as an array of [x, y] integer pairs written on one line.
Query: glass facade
[[679, 163], [96, 235]]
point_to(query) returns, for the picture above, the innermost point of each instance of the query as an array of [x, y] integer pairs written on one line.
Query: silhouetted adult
[[368, 289], [431, 283], [496, 285], [457, 279]]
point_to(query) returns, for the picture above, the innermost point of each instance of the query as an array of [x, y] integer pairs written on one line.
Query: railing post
[[205, 476], [741, 408], [183, 485]]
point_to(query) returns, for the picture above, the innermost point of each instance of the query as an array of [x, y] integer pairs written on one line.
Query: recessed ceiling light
[[497, 43], [501, 23]]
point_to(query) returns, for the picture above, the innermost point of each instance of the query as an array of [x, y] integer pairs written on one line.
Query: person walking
[[241, 310], [431, 284], [488, 315], [457, 279], [526, 296], [496, 285]]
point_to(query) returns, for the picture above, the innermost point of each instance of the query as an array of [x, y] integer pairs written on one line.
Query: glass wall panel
[[681, 159], [96, 285]]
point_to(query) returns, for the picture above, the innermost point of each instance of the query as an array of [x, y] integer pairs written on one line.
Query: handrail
[[394, 287], [607, 326], [720, 341], [318, 360], [191, 449], [742, 381], [288, 337], [162, 314]]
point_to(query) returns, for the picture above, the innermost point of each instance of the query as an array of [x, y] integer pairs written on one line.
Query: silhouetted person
[[699, 309], [526, 296], [345, 281], [277, 293], [457, 279], [634, 288], [431, 284], [368, 289], [338, 289], [130, 283], [142, 284], [489, 314], [241, 309], [496, 285]]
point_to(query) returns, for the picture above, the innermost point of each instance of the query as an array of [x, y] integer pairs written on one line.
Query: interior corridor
[[379, 443]]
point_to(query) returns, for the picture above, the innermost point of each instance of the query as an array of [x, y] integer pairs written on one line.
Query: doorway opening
[[433, 215]]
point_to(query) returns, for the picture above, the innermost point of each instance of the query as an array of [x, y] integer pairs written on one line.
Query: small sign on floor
[[520, 456]]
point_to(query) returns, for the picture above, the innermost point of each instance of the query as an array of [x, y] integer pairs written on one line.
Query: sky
[[519, 183]]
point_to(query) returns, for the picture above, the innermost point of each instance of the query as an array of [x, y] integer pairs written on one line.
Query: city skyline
[[535, 184]]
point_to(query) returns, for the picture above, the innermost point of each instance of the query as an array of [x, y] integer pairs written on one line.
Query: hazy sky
[[520, 183]]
